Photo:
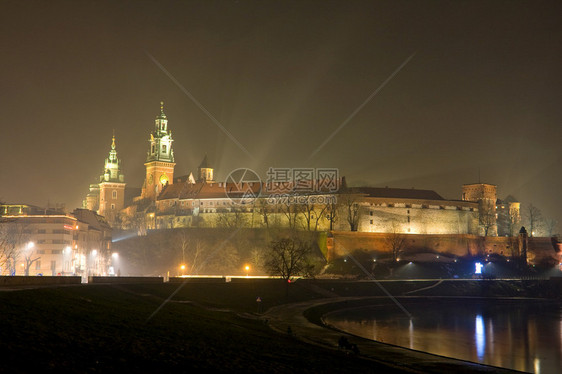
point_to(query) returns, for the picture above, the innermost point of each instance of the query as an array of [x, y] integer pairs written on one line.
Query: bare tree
[[396, 240], [223, 258], [235, 218], [312, 212], [264, 210], [12, 241], [291, 211], [191, 251], [351, 208], [487, 216], [289, 257], [533, 216], [550, 226]]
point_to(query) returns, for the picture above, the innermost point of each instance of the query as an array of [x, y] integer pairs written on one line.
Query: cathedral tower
[[160, 158], [111, 186], [205, 171]]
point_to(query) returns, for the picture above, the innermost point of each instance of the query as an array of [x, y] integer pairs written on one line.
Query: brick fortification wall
[[345, 243], [419, 219]]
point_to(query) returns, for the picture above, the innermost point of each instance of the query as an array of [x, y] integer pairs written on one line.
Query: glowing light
[[30, 245], [115, 255], [478, 267], [182, 267], [479, 337], [537, 365], [94, 252], [68, 249]]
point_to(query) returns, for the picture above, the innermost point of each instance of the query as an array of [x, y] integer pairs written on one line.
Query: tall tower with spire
[[111, 186], [205, 171], [160, 158]]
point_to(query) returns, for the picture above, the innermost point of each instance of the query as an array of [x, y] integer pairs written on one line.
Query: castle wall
[[418, 219], [345, 243]]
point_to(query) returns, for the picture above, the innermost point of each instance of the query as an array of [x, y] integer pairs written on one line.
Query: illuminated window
[[38, 265]]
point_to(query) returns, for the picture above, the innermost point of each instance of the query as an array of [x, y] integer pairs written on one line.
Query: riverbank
[[209, 326], [301, 318]]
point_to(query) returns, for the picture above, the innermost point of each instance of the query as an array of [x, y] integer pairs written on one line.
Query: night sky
[[474, 92]]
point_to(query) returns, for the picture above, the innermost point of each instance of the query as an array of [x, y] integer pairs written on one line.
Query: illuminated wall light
[[478, 268]]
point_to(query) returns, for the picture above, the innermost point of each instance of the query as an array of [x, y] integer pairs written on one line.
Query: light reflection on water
[[521, 335], [479, 337]]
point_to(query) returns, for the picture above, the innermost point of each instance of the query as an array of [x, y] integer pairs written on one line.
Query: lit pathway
[[280, 318]]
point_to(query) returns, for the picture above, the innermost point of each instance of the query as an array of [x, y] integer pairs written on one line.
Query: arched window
[[164, 148]]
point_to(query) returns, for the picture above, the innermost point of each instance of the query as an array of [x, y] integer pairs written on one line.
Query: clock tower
[[111, 187], [160, 158]]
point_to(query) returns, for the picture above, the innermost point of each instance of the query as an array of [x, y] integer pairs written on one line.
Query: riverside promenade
[[290, 319]]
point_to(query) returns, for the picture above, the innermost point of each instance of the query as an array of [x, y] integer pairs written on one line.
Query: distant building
[[50, 242], [107, 197], [160, 158], [199, 200], [508, 213], [486, 196]]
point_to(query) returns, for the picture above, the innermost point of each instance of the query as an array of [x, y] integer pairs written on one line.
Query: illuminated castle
[[168, 202], [108, 196], [160, 158]]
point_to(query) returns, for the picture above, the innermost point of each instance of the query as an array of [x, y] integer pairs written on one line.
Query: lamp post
[[247, 268]]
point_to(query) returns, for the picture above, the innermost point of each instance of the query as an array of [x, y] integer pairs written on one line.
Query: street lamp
[[182, 267], [247, 268]]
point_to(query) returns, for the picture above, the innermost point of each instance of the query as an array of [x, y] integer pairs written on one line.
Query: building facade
[[199, 200], [38, 241]]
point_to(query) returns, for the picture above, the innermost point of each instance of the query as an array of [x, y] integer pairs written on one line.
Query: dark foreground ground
[[189, 327]]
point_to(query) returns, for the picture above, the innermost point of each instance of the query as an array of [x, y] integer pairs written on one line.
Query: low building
[[38, 241]]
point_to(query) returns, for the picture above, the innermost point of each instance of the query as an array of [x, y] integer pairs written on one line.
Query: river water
[[524, 335]]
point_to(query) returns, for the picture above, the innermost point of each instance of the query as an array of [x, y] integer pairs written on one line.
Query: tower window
[[112, 206], [114, 194], [152, 149], [164, 148]]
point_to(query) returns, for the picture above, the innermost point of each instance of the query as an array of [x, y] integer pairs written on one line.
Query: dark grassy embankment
[[205, 326], [108, 328]]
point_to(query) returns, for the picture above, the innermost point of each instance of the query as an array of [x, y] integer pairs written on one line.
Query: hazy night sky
[[482, 92]]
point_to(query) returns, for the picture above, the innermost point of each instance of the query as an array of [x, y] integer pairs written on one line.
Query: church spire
[[112, 167], [161, 139]]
